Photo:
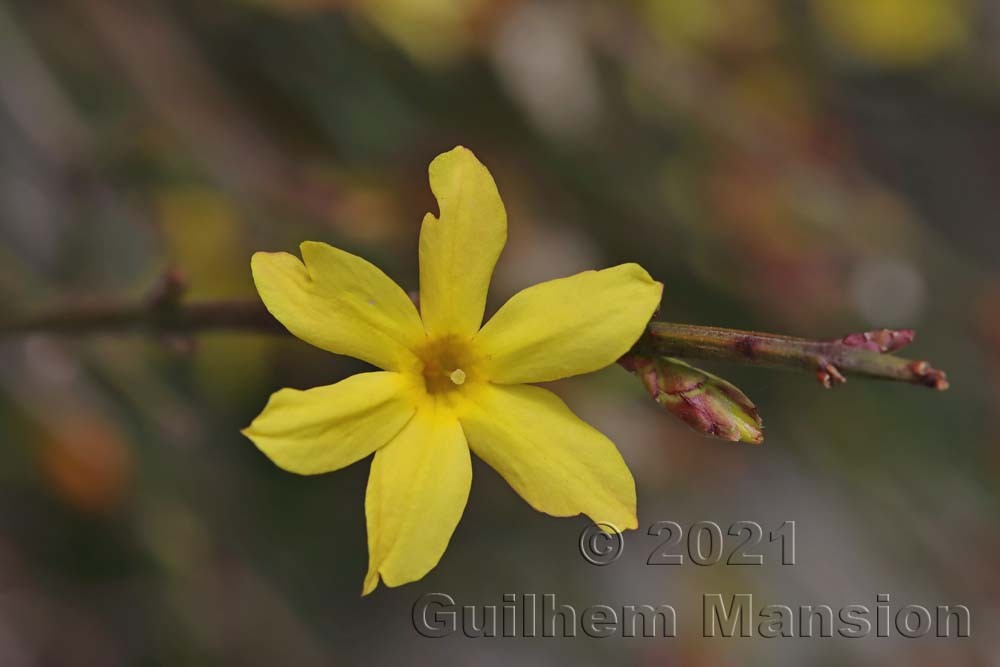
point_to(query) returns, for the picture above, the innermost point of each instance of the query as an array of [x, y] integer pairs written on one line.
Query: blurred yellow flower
[[432, 32], [895, 33], [200, 230], [722, 25], [450, 383]]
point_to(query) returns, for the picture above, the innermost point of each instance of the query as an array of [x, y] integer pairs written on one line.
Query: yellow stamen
[[457, 376]]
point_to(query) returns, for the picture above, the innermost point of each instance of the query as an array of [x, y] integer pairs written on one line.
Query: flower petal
[[459, 249], [569, 326], [339, 302], [326, 428], [417, 490], [557, 462]]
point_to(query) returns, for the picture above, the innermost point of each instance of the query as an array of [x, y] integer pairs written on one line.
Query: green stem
[[831, 360]]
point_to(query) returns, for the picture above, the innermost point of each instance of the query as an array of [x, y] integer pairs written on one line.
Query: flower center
[[448, 364]]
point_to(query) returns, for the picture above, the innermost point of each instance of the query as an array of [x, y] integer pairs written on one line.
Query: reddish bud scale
[[703, 401], [880, 340]]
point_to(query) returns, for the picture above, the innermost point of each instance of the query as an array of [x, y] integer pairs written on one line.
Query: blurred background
[[809, 167]]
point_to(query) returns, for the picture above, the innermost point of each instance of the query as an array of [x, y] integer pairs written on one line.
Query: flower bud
[[880, 340], [704, 402]]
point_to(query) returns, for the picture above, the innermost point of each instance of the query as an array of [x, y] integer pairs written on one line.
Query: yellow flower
[[450, 384], [896, 33]]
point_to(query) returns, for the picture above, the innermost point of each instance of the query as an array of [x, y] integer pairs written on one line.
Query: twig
[[867, 355], [190, 318]]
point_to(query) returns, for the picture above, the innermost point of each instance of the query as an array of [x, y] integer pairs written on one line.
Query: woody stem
[[830, 359], [166, 314]]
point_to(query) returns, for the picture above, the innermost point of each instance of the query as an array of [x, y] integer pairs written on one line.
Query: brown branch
[[152, 317], [866, 355]]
